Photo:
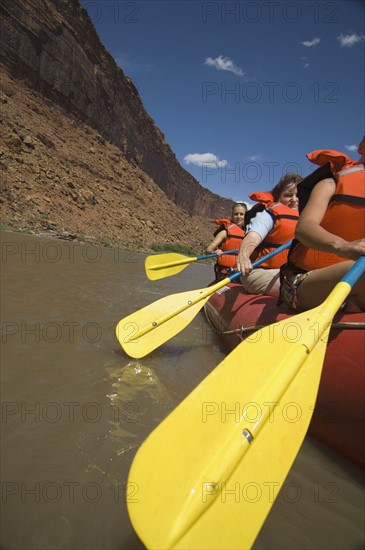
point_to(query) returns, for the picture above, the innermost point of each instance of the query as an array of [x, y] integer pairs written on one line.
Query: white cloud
[[223, 64], [310, 43], [351, 148], [205, 159], [305, 62], [254, 158], [348, 40]]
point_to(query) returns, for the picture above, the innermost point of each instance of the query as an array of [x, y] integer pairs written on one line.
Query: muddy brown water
[[75, 408]]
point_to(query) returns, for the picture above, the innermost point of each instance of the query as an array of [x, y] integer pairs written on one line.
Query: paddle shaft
[[355, 272], [271, 393], [264, 259], [267, 375], [202, 295], [188, 260]]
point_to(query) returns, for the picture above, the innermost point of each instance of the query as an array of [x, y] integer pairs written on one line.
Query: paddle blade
[[143, 331], [166, 265], [209, 487]]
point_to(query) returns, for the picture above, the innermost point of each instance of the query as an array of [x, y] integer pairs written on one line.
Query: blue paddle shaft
[[355, 272], [205, 256], [263, 259]]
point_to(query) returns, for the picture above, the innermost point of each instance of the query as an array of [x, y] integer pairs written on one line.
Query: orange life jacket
[[234, 238], [345, 213], [337, 159], [285, 220]]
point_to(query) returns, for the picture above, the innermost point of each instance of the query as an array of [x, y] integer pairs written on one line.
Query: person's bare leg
[[319, 283]]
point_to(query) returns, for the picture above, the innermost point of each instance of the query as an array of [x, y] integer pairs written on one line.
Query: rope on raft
[[253, 328], [243, 330]]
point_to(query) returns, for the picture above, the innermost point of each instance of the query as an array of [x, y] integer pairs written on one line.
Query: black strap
[[286, 217], [265, 244], [348, 198], [308, 183], [220, 228]]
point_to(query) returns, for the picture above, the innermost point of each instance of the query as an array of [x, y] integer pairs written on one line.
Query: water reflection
[[76, 408], [137, 399]]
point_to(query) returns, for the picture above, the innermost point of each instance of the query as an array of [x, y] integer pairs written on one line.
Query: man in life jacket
[[329, 235], [228, 237], [270, 224]]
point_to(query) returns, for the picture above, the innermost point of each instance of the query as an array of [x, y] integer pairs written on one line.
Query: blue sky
[[243, 90]]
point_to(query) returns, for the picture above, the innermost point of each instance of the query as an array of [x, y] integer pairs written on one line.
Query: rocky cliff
[[75, 126]]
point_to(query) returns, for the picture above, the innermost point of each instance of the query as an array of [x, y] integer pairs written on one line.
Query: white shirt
[[262, 224]]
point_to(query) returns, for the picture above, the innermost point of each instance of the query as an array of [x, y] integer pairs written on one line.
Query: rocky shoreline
[[66, 236], [60, 177], [80, 157]]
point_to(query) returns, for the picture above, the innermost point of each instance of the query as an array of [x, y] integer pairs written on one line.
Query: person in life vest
[[228, 237], [272, 223], [329, 235]]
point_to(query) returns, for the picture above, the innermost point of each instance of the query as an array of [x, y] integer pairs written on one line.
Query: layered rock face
[[52, 46], [61, 177]]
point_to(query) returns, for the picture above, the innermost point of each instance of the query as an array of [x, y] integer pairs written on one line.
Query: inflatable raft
[[338, 418]]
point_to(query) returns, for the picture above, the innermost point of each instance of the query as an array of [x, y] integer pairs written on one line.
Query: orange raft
[[339, 414]]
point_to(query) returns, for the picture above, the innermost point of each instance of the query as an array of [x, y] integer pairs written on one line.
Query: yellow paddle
[[208, 475], [150, 327], [165, 265]]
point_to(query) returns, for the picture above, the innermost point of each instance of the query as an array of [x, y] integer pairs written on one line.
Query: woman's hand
[[213, 247], [248, 245], [244, 264], [352, 250]]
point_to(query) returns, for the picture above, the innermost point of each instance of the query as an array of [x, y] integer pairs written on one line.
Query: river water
[[75, 408]]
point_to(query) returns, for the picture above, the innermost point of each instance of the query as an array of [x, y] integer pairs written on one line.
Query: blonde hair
[[239, 203]]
